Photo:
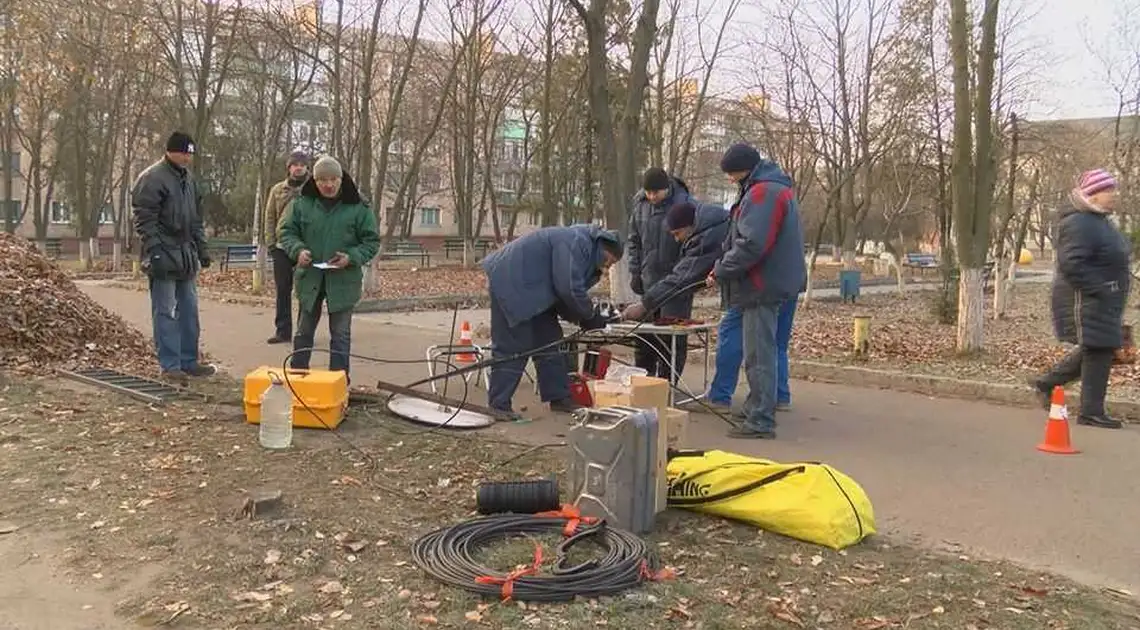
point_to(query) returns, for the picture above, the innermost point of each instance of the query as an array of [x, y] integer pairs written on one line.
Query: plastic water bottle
[[276, 415]]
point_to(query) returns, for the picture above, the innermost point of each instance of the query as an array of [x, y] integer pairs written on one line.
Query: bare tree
[[617, 139], [974, 173]]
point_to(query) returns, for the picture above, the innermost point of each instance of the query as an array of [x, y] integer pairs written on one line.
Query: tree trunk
[[971, 310]]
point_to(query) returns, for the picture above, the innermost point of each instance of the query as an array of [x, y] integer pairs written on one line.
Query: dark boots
[[1093, 367]]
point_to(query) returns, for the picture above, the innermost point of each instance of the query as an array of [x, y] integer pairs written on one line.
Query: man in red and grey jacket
[[763, 266]]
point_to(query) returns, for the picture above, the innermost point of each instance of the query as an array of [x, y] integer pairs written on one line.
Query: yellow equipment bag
[[806, 500]]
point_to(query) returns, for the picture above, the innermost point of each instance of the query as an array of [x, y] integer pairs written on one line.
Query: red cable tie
[[508, 582]]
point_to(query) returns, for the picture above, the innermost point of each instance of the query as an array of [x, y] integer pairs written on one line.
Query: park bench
[[481, 246], [239, 256], [919, 260], [407, 249]]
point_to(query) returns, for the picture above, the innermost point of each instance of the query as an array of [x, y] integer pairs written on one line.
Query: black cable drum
[[518, 497], [625, 561]]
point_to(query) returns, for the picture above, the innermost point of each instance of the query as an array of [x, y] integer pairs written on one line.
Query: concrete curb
[[943, 387]]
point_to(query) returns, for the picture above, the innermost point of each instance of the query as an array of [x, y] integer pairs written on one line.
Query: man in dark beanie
[[653, 253], [700, 231], [277, 201], [167, 210], [762, 268], [533, 280]]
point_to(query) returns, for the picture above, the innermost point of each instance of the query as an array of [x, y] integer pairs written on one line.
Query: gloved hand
[[204, 259], [636, 285], [594, 322]]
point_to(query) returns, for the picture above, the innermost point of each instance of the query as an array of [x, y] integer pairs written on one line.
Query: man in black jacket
[[653, 252], [168, 221]]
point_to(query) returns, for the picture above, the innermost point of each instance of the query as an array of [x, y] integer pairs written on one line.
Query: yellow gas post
[[862, 335]]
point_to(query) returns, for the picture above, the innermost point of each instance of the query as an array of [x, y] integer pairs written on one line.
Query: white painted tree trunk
[[808, 285], [95, 253], [117, 256], [372, 275], [898, 276], [620, 291], [85, 254], [971, 311], [259, 267]]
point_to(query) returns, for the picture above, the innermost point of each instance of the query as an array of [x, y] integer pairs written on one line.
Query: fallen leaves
[[48, 322], [904, 333]]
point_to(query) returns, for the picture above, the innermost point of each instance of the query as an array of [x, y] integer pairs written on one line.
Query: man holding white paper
[[331, 232]]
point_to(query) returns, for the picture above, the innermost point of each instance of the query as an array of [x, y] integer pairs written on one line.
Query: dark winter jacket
[[652, 250], [764, 249], [699, 253], [1091, 284], [348, 226], [550, 268], [168, 219]]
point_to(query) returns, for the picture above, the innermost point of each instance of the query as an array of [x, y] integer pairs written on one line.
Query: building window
[[429, 217], [106, 216], [12, 210], [10, 160], [60, 212]]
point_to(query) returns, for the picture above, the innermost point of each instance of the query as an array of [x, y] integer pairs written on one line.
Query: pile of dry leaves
[[47, 322], [394, 283], [905, 335]]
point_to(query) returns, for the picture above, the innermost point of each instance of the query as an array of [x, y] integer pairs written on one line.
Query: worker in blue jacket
[[763, 267], [533, 280]]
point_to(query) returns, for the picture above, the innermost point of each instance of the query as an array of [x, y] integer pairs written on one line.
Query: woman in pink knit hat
[[1090, 290]]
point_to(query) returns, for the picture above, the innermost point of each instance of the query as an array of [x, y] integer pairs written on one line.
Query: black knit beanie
[[180, 142], [655, 179], [740, 157], [611, 241], [297, 157], [681, 215]]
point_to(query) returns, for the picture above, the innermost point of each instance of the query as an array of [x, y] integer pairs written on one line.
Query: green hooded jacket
[[348, 227]]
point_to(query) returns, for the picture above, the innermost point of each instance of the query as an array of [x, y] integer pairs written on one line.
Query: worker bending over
[[700, 230], [533, 280]]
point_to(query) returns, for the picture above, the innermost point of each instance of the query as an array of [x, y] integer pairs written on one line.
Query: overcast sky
[[1069, 81]]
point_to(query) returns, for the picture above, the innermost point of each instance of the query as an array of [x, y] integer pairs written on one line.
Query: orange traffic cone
[[465, 340], [1057, 429]]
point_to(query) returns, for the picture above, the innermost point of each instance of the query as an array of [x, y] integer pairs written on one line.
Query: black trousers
[[1093, 366], [652, 353], [283, 280]]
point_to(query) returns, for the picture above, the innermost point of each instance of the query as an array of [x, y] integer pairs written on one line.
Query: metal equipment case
[[614, 466]]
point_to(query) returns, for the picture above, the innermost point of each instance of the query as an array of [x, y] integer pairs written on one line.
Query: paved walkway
[[940, 472]]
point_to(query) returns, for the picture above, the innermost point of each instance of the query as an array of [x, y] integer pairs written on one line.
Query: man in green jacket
[[331, 234]]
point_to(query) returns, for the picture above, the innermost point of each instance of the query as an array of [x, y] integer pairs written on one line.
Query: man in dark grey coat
[[168, 219], [533, 280], [653, 252], [1090, 291]]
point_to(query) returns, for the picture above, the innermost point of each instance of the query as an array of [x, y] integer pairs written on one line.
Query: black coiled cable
[[447, 554]]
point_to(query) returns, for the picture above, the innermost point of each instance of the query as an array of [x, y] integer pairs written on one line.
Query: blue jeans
[[551, 366], [784, 322], [174, 317], [340, 336], [758, 325], [730, 354]]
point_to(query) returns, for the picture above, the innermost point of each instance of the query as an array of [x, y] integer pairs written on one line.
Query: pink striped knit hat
[[1095, 181]]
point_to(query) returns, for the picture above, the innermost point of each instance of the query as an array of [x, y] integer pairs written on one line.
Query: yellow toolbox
[[325, 393]]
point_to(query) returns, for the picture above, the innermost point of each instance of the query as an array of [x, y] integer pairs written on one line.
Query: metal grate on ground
[[144, 389]]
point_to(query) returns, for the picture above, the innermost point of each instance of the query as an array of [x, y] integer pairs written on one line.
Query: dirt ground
[[128, 512]]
